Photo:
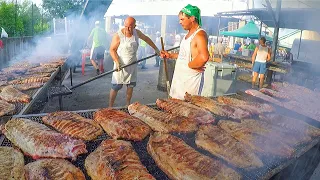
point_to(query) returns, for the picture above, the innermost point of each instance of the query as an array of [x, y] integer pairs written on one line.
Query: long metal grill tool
[[109, 72]]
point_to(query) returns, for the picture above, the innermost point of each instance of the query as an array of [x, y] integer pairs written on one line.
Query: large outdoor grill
[[272, 165], [38, 96]]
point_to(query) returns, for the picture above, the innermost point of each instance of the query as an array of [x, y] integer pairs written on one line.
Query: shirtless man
[[193, 55]]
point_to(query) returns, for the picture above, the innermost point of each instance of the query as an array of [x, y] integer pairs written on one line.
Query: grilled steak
[[253, 107], [41, 70], [182, 108], [37, 140], [286, 136], [13, 95], [291, 124], [6, 108], [11, 164], [3, 82], [256, 141], [120, 125], [180, 161], [73, 125], [28, 86], [53, 169], [30, 79], [223, 145], [115, 159], [216, 108], [17, 70], [162, 121], [262, 96], [274, 94]]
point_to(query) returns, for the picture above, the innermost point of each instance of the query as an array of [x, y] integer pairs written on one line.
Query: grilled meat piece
[[116, 159], [73, 125], [257, 142], [253, 107], [291, 124], [223, 145], [274, 94], [30, 79], [37, 140], [13, 95], [28, 86], [3, 83], [120, 125], [180, 161], [6, 108], [41, 69], [53, 169], [11, 164], [216, 108], [262, 96], [17, 70], [162, 121], [286, 136], [182, 108]]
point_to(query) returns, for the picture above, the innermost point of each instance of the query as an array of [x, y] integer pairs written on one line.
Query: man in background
[[219, 49], [99, 37]]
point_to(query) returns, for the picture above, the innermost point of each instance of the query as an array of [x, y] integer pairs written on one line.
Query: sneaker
[[98, 71], [144, 67]]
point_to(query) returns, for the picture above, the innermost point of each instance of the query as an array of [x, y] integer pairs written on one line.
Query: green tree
[[63, 8], [9, 21]]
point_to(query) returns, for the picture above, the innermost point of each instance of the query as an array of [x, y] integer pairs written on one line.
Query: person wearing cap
[[158, 44], [192, 57], [123, 51], [99, 37]]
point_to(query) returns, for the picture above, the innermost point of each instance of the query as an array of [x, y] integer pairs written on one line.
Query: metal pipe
[[218, 33], [109, 72], [299, 45]]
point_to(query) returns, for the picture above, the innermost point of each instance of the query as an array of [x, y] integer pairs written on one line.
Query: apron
[[127, 52], [186, 79]]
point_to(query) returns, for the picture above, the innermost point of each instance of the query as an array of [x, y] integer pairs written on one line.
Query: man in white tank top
[[259, 60], [123, 50], [193, 55]]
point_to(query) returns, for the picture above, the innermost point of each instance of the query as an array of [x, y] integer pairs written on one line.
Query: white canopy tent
[[134, 8]]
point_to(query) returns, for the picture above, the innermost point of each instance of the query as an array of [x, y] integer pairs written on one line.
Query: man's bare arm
[[113, 49], [253, 58], [148, 41], [203, 54], [166, 54]]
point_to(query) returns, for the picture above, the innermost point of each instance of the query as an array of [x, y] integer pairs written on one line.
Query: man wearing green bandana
[[193, 55]]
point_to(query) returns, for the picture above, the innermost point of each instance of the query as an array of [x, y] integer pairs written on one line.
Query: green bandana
[[192, 11]]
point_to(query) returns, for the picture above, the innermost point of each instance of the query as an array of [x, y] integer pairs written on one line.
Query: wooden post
[[166, 69]]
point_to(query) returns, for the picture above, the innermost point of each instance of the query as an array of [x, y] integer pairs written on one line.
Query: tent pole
[[218, 32], [275, 38], [299, 45], [260, 28]]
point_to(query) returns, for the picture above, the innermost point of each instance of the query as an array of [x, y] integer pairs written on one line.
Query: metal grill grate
[[272, 165]]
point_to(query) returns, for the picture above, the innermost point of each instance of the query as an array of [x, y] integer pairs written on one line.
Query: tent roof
[[290, 18], [250, 30], [151, 8]]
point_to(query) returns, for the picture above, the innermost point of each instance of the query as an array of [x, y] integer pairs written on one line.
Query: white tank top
[[262, 54], [185, 79], [127, 52]]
